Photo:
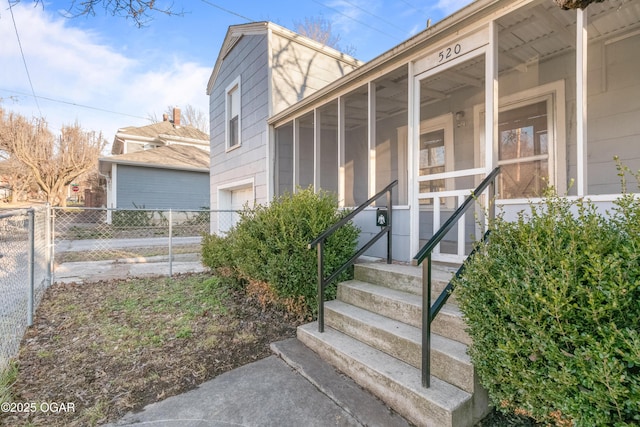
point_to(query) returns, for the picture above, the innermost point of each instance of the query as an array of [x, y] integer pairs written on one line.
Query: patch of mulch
[[65, 359]]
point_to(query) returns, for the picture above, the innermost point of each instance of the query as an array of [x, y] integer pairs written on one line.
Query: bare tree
[[53, 162], [17, 177], [189, 116], [319, 29], [140, 11], [196, 118]]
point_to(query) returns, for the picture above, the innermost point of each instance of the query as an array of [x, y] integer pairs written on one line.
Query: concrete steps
[[397, 383], [372, 334]]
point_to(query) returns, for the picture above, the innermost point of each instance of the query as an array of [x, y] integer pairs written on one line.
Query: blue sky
[[106, 73]]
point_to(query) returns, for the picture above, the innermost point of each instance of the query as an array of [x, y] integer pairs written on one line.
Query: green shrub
[[552, 304], [216, 252], [269, 244]]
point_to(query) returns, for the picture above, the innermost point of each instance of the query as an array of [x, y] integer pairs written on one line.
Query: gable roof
[[165, 129], [178, 157], [162, 133], [236, 32]]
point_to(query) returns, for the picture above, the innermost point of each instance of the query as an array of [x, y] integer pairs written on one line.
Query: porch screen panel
[[356, 152], [536, 70], [306, 150], [391, 116], [613, 94], [284, 159], [329, 147], [449, 101]]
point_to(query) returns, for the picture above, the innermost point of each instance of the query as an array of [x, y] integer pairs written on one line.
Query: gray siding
[[613, 112], [366, 221], [298, 71], [249, 60], [154, 188]]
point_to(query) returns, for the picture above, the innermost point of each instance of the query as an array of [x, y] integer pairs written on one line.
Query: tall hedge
[[552, 304], [269, 244]]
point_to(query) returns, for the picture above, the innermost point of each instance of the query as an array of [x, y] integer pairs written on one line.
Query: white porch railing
[[436, 209]]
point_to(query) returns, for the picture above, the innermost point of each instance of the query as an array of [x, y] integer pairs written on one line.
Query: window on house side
[[233, 115]]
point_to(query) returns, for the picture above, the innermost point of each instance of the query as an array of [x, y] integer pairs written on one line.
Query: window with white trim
[[523, 151], [232, 115]]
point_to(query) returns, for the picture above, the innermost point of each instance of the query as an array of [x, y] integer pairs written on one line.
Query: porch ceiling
[[531, 34]]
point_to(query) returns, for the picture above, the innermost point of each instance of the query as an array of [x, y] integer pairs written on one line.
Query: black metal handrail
[[430, 312], [318, 242]]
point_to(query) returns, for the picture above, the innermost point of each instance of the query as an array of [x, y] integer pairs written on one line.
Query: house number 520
[[449, 52]]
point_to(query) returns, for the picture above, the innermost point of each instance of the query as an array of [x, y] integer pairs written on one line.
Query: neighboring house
[[262, 69], [547, 94], [167, 132], [164, 165], [173, 177]]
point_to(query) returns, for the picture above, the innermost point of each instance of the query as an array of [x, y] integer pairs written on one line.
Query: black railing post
[[389, 222], [491, 195], [320, 287], [424, 256], [426, 322], [318, 242]]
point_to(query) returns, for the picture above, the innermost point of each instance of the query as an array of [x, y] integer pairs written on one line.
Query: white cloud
[[78, 67]]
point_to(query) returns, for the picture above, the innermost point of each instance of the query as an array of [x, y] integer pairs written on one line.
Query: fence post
[[30, 301], [52, 255], [48, 242], [170, 244]]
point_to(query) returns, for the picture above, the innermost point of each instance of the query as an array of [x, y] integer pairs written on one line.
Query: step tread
[[359, 403], [438, 272], [397, 295], [453, 349], [440, 393]]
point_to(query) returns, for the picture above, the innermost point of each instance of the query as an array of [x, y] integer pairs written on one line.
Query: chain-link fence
[[25, 272], [33, 242], [121, 235]]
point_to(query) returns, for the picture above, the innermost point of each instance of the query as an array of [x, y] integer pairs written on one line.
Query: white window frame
[[554, 94], [234, 87]]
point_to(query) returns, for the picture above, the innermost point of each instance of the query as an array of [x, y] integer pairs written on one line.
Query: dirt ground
[[102, 349]]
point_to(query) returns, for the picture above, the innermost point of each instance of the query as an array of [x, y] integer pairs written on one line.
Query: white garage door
[[231, 201], [241, 197]]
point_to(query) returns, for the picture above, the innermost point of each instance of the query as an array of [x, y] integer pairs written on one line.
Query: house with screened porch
[[549, 96]]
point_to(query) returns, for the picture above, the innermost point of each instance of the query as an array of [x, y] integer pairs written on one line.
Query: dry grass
[[115, 346]]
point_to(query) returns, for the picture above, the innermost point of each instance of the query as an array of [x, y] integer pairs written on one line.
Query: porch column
[[341, 153], [296, 154], [581, 102], [491, 100], [371, 138], [412, 160], [317, 160]]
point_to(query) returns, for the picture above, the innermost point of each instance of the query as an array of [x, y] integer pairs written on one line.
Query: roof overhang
[[105, 164], [236, 32]]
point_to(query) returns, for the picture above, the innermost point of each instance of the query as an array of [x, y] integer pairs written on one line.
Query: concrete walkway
[[298, 389], [92, 271]]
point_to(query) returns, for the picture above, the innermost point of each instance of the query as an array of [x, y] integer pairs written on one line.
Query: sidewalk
[[298, 389], [92, 271]]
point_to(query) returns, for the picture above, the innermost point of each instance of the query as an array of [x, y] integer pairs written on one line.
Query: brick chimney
[[176, 116]]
